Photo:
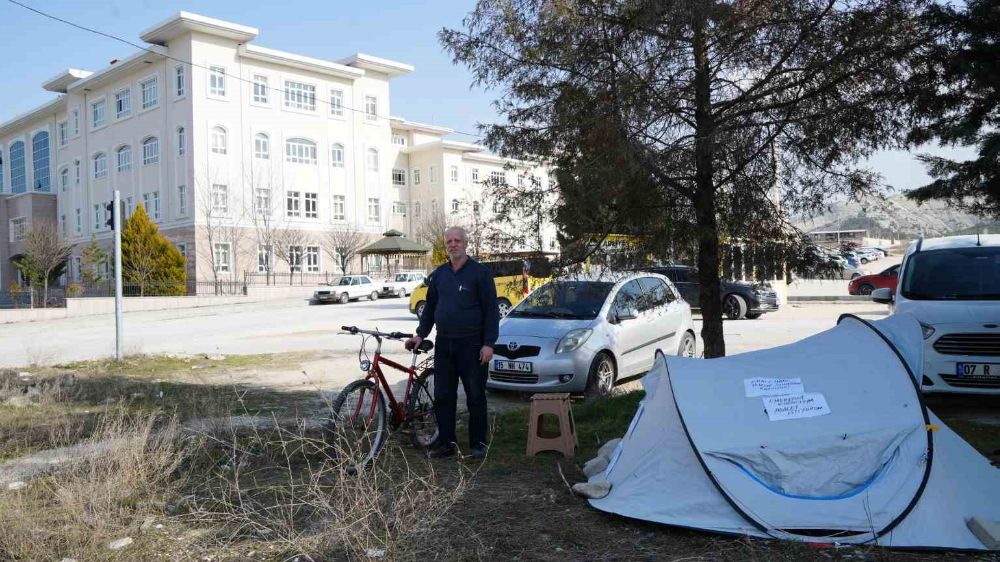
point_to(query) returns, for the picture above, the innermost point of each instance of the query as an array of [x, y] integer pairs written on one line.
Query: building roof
[[299, 61], [407, 125], [376, 64], [48, 108], [394, 243], [185, 22], [60, 82], [109, 73]]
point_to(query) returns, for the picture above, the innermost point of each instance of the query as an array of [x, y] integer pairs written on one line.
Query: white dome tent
[[824, 440]]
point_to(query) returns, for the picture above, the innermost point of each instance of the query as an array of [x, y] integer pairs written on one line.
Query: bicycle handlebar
[[354, 330]]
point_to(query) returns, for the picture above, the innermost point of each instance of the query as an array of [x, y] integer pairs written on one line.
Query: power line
[[195, 65]]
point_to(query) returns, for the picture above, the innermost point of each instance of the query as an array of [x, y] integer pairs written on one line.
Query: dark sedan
[[739, 300]]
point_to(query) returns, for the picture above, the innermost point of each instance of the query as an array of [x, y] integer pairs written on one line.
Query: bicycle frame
[[399, 413]]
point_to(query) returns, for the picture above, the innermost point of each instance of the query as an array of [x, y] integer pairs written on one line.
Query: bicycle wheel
[[358, 426], [423, 423]]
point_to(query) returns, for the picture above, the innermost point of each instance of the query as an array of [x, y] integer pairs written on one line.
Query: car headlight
[[927, 330], [573, 340]]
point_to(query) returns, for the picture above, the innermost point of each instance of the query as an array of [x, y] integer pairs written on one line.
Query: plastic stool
[[559, 405]]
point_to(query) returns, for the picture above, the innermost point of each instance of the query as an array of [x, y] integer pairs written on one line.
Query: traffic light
[[109, 211]]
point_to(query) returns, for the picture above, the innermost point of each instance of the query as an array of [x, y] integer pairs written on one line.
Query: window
[[150, 151], [300, 96], [300, 151], [434, 206], [337, 103], [181, 141], [180, 86], [218, 140], [97, 114], [433, 174], [498, 178], [337, 156], [129, 207], [62, 225], [262, 201], [263, 258], [398, 176], [520, 181], [74, 120], [496, 207], [374, 214], [475, 207], [339, 203], [295, 258], [416, 210], [146, 204], [454, 173], [124, 157], [183, 249], [259, 88], [76, 167], [398, 208], [220, 199], [77, 267], [181, 200], [40, 160], [123, 103], [371, 159], [292, 204], [312, 205], [371, 108], [475, 175], [416, 176], [221, 255], [64, 179], [261, 146], [79, 221], [63, 129], [99, 216], [155, 197], [216, 81], [1, 168], [18, 228], [398, 140], [312, 259], [454, 206], [100, 165], [150, 93]]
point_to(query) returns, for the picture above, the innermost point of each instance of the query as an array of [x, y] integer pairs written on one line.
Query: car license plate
[[978, 370], [512, 366]]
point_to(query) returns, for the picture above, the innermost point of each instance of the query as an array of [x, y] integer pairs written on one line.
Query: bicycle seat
[[424, 347]]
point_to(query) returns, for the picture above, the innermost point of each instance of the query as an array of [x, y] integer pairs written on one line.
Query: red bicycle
[[360, 420]]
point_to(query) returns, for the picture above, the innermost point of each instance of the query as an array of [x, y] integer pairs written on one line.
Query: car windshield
[[953, 274], [400, 277], [337, 281], [565, 299]]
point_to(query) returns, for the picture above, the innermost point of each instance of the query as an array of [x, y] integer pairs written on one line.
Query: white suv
[[952, 286]]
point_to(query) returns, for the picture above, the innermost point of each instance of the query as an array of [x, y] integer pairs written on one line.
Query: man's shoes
[[478, 453], [440, 451]]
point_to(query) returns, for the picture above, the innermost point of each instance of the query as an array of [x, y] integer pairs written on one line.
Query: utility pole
[[115, 222]]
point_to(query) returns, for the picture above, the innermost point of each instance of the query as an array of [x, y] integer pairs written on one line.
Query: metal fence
[[288, 279]]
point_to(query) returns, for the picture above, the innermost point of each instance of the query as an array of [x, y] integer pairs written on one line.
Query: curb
[[831, 298]]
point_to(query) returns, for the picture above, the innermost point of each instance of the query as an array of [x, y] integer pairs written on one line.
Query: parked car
[[583, 335], [346, 288], [865, 284], [402, 283], [514, 279], [952, 286], [739, 300]]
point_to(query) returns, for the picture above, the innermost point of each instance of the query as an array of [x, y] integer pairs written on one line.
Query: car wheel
[[754, 315], [688, 347], [503, 305], [344, 298], [401, 293], [865, 289], [864, 260], [735, 307], [420, 308], [373, 296], [602, 376]]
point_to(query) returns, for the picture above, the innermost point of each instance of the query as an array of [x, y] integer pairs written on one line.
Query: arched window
[[454, 206], [218, 141], [337, 156], [181, 139], [100, 165], [40, 160], [124, 158], [64, 179], [300, 151], [261, 146], [17, 171], [150, 151], [1, 169], [371, 159]]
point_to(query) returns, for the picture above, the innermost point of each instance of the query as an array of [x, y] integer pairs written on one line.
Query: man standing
[[462, 301]]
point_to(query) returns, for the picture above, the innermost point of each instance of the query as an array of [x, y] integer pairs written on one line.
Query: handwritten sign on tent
[[760, 386], [795, 406]]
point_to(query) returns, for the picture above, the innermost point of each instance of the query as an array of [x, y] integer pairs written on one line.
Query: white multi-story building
[[209, 131]]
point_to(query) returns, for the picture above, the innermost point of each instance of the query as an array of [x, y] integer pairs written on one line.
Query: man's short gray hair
[[465, 235]]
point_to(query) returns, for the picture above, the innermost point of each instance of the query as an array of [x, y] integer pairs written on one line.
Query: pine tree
[[149, 259]]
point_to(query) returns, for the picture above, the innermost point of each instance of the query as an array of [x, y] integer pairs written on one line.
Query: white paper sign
[[795, 406], [760, 386]]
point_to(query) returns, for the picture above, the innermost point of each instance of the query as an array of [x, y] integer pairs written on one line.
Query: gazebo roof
[[393, 242]]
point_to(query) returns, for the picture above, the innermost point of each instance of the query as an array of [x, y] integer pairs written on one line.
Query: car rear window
[[953, 274]]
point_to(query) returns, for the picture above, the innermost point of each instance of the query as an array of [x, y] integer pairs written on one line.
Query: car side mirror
[[883, 296], [626, 313]]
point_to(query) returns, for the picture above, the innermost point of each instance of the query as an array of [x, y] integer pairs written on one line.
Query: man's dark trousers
[[454, 359]]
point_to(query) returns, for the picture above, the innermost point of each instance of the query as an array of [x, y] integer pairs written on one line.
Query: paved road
[[293, 325]]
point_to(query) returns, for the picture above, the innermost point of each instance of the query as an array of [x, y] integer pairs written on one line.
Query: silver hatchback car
[[583, 335]]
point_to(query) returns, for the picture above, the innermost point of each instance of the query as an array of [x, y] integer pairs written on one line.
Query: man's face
[[455, 244]]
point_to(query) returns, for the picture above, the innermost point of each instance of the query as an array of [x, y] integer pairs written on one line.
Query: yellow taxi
[[514, 280]]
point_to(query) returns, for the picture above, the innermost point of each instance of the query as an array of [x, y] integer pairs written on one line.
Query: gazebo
[[394, 248]]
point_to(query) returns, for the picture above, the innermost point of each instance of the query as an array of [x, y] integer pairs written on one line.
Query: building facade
[[245, 156]]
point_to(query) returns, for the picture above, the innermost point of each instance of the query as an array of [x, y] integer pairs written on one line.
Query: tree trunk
[[45, 291], [713, 340]]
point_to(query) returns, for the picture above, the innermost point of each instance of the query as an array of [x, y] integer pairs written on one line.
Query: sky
[[34, 49]]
